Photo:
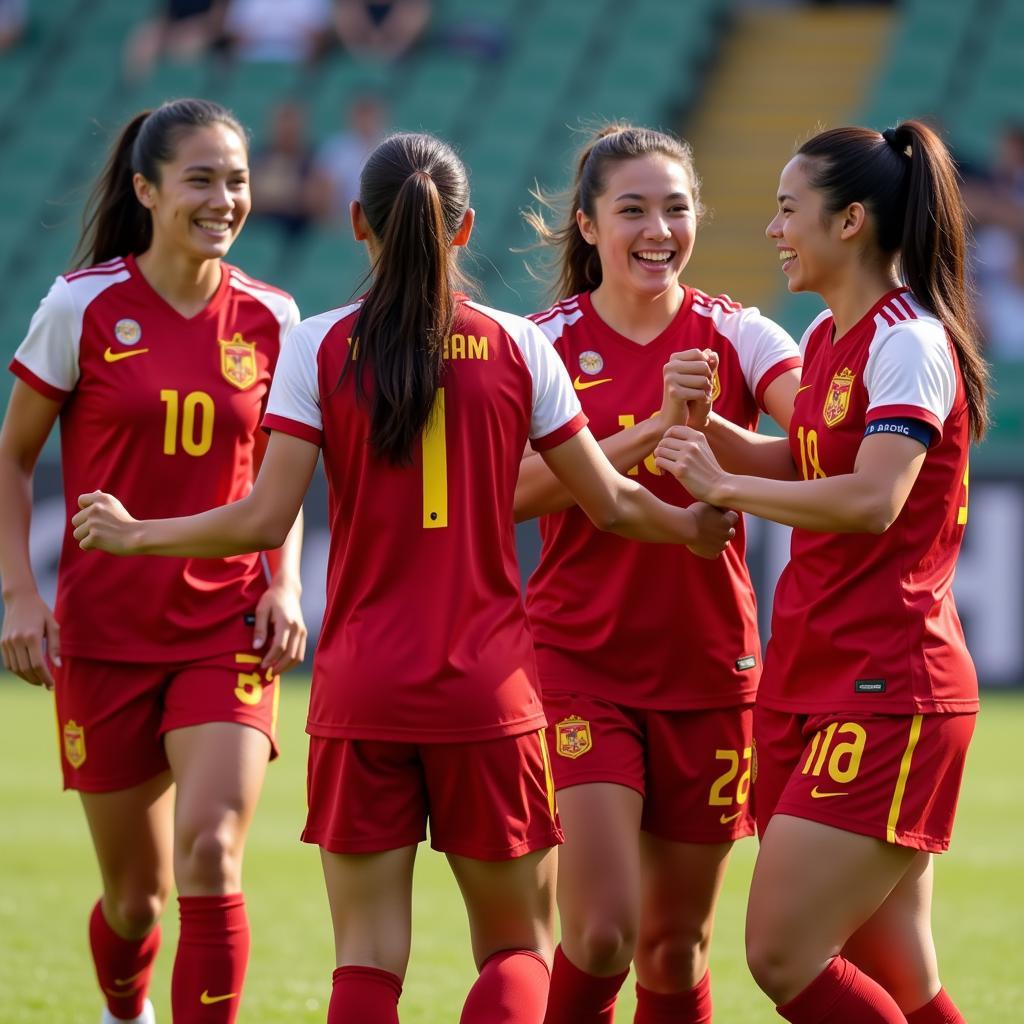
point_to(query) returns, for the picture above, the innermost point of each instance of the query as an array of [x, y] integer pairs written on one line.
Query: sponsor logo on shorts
[[74, 743], [869, 686], [820, 794], [207, 1000], [726, 818], [748, 661], [572, 737]]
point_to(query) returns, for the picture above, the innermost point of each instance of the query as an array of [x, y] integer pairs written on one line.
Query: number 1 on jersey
[[435, 467]]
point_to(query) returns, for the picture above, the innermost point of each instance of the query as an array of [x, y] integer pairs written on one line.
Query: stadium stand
[[561, 63]]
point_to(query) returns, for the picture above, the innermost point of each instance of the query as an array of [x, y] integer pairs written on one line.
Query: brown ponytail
[[907, 181], [575, 264], [414, 194], [115, 222]]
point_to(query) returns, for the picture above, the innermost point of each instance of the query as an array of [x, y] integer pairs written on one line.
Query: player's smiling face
[[202, 198], [807, 239], [644, 224]]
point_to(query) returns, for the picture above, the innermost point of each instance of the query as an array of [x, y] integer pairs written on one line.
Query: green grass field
[[48, 883]]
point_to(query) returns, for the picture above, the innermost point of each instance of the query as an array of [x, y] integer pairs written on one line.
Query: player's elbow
[[877, 515]]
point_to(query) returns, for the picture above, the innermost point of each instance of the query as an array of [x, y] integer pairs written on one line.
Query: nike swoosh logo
[[582, 385], [804, 388], [207, 1000], [725, 819], [818, 794], [113, 357], [128, 981]]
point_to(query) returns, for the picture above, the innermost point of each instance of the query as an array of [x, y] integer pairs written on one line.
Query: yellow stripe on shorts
[[549, 779], [901, 782]]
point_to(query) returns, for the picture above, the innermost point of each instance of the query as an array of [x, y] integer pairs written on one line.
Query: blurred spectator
[[384, 30], [293, 31], [996, 203], [280, 170], [13, 17], [340, 159], [181, 30]]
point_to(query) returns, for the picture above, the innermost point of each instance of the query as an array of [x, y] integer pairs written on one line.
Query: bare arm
[[258, 522], [616, 503], [868, 500], [29, 627], [747, 452], [279, 611], [686, 374]]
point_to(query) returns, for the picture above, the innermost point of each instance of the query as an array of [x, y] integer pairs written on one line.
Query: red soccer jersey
[[866, 623], [648, 625], [160, 411], [424, 638]]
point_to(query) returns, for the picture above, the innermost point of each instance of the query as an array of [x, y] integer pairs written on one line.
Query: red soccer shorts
[[893, 777], [490, 800], [691, 767], [111, 715]]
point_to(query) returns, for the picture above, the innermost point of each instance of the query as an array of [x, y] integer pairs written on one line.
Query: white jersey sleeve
[[910, 373], [294, 403], [556, 414], [762, 345], [50, 349]]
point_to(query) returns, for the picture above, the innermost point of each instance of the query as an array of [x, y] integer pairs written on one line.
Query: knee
[[673, 959], [605, 947], [209, 859], [134, 914], [772, 967]]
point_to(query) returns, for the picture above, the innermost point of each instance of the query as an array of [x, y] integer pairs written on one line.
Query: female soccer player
[[868, 698], [424, 698], [648, 657], [156, 356]]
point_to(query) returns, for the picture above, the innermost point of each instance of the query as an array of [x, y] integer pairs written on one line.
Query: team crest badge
[[128, 332], [716, 387], [74, 743], [238, 362], [572, 737], [838, 400], [591, 362]]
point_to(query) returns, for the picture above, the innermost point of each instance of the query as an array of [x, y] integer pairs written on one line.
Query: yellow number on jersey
[[961, 515], [435, 467], [810, 467], [195, 402], [627, 420]]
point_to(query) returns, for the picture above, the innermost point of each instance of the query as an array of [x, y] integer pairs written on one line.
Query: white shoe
[[148, 1016]]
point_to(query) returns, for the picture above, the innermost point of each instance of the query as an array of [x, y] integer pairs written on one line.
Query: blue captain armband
[[904, 426]]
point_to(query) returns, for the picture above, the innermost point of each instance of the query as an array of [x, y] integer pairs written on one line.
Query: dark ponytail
[[414, 194], [115, 222], [907, 181], [576, 266]]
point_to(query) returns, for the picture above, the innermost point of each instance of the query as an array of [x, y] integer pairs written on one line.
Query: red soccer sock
[[123, 966], [512, 989], [213, 952], [941, 1010], [580, 998], [364, 995], [842, 994], [692, 1007]]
